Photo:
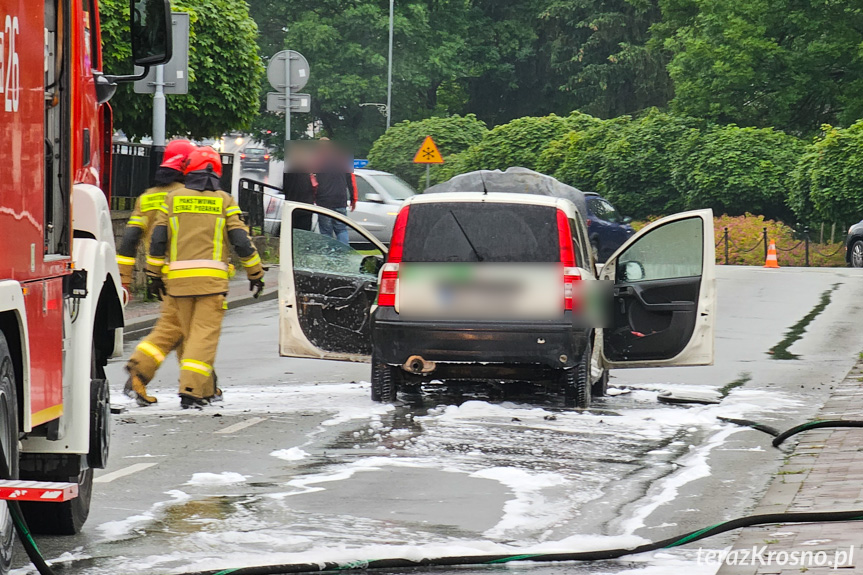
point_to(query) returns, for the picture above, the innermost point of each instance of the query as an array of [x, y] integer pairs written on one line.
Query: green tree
[[828, 180], [738, 170], [579, 156], [224, 70], [599, 49], [636, 172], [782, 63], [517, 143], [346, 46], [394, 151]]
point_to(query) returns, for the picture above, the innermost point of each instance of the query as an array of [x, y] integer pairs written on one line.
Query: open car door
[[663, 307], [326, 287]]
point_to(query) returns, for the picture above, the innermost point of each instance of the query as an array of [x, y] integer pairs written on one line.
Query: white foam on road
[[223, 478], [292, 454], [530, 510], [125, 528]]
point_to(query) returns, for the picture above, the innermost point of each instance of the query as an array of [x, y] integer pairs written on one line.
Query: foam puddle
[[550, 463]]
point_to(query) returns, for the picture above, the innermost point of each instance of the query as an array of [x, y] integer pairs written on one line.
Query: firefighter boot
[[217, 393], [191, 402], [136, 390]]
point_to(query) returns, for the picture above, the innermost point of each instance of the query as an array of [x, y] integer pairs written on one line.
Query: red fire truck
[[61, 311]]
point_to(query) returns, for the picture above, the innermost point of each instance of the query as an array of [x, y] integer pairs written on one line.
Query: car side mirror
[[150, 23], [632, 271], [626, 219], [371, 265], [376, 198]]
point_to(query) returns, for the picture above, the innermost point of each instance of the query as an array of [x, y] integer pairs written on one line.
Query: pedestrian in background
[[191, 232], [297, 182], [335, 189]]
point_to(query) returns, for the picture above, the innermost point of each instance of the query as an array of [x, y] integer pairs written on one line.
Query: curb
[[140, 326]]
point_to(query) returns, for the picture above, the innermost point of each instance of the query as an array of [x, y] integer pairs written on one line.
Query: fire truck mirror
[[151, 31]]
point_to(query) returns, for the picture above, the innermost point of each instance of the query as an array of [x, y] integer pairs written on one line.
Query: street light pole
[[390, 70]]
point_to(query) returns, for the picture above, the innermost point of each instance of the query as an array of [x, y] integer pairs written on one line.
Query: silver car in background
[[379, 197]]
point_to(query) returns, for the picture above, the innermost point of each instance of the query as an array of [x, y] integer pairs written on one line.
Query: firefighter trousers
[[196, 323]]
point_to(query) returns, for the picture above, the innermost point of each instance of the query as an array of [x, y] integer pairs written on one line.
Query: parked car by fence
[[379, 197]]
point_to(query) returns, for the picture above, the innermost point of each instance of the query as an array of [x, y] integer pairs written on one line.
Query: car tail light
[[567, 259], [390, 270], [266, 156], [242, 156]]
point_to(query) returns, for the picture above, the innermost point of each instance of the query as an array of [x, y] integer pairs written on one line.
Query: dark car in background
[[255, 159], [606, 228]]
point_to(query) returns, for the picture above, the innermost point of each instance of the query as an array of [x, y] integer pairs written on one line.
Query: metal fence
[[134, 169], [763, 242], [251, 201]]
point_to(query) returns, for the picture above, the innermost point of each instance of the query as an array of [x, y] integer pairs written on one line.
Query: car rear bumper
[[553, 344]]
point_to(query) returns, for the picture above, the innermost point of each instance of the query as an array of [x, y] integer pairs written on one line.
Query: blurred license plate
[[480, 291]]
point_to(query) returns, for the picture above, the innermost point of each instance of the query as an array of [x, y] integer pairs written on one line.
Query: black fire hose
[[21, 525], [462, 560], [397, 563], [780, 437]]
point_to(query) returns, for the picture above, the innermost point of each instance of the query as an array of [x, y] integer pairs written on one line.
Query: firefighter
[[191, 230], [169, 176]]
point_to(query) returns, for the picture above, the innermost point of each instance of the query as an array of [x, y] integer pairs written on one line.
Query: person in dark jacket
[[335, 189], [297, 183]]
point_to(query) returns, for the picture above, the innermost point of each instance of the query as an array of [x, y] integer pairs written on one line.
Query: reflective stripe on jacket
[[140, 227], [195, 228]]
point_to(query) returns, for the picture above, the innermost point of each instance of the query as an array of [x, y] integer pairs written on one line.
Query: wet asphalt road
[[298, 463]]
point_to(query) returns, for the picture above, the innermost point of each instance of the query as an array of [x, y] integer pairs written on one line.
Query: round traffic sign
[[276, 72]]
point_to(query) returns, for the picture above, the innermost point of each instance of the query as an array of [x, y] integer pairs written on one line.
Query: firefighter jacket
[[140, 226], [191, 233]]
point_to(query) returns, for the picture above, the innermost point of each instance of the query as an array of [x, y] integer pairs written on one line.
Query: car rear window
[[481, 232], [255, 151]]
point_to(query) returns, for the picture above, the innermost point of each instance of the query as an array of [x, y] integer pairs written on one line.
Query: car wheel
[[576, 382], [384, 382], [857, 254]]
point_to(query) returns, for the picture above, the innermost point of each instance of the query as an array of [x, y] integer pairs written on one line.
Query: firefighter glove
[[256, 285], [155, 287]]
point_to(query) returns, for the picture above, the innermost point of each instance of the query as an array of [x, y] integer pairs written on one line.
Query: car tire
[[576, 382], [857, 254], [384, 382], [599, 388]]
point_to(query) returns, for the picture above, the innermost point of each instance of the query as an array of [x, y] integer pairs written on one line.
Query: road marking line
[[109, 477], [241, 425]]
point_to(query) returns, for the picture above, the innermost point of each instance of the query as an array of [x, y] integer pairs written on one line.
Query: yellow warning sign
[[428, 153]]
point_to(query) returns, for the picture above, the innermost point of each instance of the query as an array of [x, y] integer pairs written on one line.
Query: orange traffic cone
[[771, 262]]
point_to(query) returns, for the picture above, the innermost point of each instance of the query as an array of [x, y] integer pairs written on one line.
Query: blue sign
[[360, 164]]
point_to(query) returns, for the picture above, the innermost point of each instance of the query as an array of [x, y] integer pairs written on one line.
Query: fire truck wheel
[[9, 443], [65, 518], [100, 414]]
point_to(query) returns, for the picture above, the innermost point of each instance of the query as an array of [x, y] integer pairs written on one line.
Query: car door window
[[363, 188], [334, 284], [671, 251]]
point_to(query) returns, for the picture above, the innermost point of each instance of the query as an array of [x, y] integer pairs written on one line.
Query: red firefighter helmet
[[204, 158], [176, 153]]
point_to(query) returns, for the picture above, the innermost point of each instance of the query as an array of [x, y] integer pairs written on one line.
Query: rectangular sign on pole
[[300, 103], [176, 75]]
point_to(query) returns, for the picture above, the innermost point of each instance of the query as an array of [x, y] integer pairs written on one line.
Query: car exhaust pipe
[[416, 364]]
